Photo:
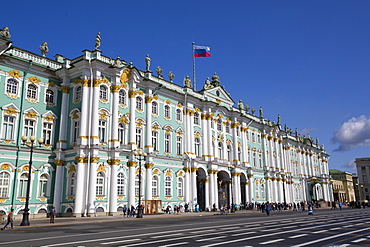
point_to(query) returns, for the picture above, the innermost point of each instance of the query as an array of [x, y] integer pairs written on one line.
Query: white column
[[211, 187], [58, 191], [210, 142], [132, 126], [208, 205], [131, 183], [79, 204], [191, 133], [148, 187], [206, 138], [114, 123], [62, 143], [92, 188], [187, 186], [94, 111], [194, 186], [85, 112], [251, 189], [113, 186]]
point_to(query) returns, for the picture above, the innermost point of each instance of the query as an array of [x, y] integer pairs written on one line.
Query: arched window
[[120, 184], [219, 124], [239, 154], [72, 184], [100, 184], [121, 133], [178, 115], [139, 103], [254, 159], [228, 152], [257, 194], [167, 186], [22, 188], [8, 128], [12, 86], [262, 190], [260, 160], [78, 93], [49, 96], [155, 108], [4, 184], [259, 138], [167, 111], [220, 156], [196, 118], [167, 143], [32, 91], [103, 93], [43, 185], [122, 97], [197, 146], [253, 137], [180, 187], [75, 130], [155, 186], [137, 186]]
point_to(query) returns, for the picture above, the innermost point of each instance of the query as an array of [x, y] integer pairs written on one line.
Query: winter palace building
[[93, 112]]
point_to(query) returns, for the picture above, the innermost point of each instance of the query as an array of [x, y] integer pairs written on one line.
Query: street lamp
[[25, 219], [231, 167], [140, 156], [283, 176]]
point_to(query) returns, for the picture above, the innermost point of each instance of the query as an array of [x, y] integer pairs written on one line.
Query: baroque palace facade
[[94, 111]]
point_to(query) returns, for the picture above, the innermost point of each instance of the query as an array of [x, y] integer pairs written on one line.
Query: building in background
[[94, 112], [343, 186], [363, 171]]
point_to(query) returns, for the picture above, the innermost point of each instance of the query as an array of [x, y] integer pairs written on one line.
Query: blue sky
[[308, 61]]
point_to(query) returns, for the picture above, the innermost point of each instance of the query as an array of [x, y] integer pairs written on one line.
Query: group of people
[[128, 211]]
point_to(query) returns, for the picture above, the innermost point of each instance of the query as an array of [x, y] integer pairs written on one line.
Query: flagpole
[[194, 77]]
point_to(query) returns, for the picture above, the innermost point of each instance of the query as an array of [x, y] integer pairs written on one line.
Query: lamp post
[[140, 156], [283, 176], [25, 219], [231, 167]]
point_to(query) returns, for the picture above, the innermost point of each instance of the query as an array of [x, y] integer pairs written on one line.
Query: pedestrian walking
[[9, 221], [124, 209], [52, 214], [132, 211], [268, 208], [340, 204]]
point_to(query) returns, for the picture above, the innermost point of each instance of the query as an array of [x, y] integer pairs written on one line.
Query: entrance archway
[[223, 184], [201, 189]]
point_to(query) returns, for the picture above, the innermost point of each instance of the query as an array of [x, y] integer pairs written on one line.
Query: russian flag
[[202, 51]]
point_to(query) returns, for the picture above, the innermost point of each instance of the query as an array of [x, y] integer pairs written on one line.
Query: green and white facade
[[93, 112]]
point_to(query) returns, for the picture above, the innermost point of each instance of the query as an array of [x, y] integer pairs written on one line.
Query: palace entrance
[[223, 184], [201, 189]]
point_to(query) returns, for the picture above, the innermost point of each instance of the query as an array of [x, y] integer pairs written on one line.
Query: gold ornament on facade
[[95, 160], [65, 89], [101, 168], [168, 101], [186, 169], [113, 162], [228, 142], [100, 197], [10, 111], [59, 162], [70, 198], [5, 166], [148, 99], [197, 109], [34, 79], [132, 94], [149, 165], [125, 76], [26, 168], [115, 88], [14, 73], [77, 81], [218, 101], [179, 105], [193, 169], [103, 115], [72, 168], [31, 114], [131, 163], [123, 119], [80, 159], [197, 134], [51, 84], [49, 118]]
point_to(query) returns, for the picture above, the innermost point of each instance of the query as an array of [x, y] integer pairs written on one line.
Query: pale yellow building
[[343, 188]]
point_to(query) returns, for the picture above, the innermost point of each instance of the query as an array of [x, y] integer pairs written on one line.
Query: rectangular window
[[8, 128], [75, 130], [102, 130], [154, 187], [364, 178], [29, 127], [42, 188], [178, 145], [47, 132], [139, 138], [155, 140], [167, 143]]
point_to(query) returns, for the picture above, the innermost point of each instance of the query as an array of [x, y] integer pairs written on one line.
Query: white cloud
[[307, 131], [350, 165], [355, 132]]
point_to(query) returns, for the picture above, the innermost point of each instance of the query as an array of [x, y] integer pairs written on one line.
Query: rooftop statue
[[253, 110], [247, 108], [159, 72], [278, 121], [5, 33], [240, 105], [97, 42], [215, 80], [171, 76], [207, 84], [117, 63], [44, 48], [187, 82], [147, 62], [261, 112]]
